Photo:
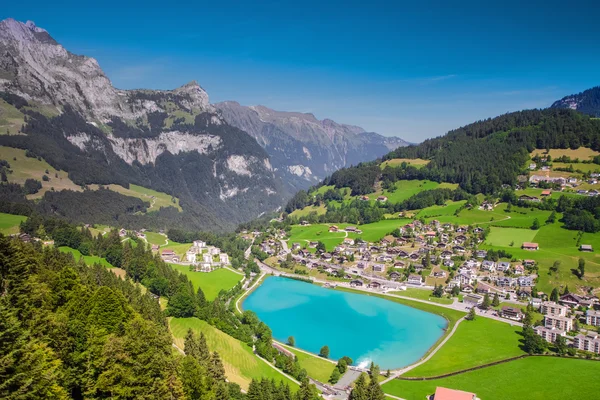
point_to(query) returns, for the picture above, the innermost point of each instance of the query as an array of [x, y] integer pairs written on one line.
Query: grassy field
[[394, 162], [577, 166], [556, 244], [422, 294], [9, 223], [211, 283], [156, 199], [156, 238], [11, 119], [26, 167], [316, 367], [583, 153], [474, 343], [241, 365], [533, 378], [447, 209], [503, 237], [90, 260], [179, 248], [404, 190], [309, 209]]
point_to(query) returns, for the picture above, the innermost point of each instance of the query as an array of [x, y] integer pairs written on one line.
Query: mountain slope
[[302, 148], [172, 141], [587, 102]]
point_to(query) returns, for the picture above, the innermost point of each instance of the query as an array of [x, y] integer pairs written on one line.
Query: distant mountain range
[[226, 163], [302, 148], [587, 102]]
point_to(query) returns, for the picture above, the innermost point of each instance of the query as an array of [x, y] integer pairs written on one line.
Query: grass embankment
[[9, 223], [422, 294], [89, 260], [316, 367], [474, 343], [532, 378], [212, 282], [241, 365]]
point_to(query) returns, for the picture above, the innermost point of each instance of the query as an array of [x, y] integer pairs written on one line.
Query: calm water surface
[[365, 328]]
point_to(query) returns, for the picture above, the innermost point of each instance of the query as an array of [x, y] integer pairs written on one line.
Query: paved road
[[346, 380]]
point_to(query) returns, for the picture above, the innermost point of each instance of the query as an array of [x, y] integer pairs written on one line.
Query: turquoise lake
[[365, 328]]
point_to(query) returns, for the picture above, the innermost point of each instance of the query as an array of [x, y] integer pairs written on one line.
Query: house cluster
[[202, 257]]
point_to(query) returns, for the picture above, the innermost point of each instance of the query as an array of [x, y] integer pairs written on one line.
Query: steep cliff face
[[173, 141], [587, 102], [303, 148]]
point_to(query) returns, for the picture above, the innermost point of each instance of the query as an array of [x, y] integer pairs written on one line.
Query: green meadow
[[89, 260], [532, 378], [212, 282], [9, 223], [474, 343], [241, 365]]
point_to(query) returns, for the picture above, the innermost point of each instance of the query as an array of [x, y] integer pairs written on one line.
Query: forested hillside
[[483, 156]]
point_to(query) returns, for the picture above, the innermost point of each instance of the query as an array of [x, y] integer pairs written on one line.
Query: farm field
[[422, 294], [504, 237], [404, 190], [320, 210], [532, 378], [583, 153], [241, 365], [179, 248], [474, 343], [211, 283], [90, 260], [9, 223], [416, 162], [316, 367], [538, 192], [577, 166], [11, 119]]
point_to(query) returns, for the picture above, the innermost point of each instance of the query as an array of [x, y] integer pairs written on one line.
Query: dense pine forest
[[69, 330]]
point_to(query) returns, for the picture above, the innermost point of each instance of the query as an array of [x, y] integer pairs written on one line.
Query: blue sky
[[414, 69]]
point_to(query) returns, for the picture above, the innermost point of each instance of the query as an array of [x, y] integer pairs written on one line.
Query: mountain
[[302, 148], [62, 107], [587, 102]]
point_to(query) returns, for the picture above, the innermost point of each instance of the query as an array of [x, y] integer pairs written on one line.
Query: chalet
[[414, 256], [446, 254], [586, 247], [415, 279], [361, 265], [168, 255], [378, 267], [512, 313], [364, 198], [458, 249], [313, 245], [439, 274], [442, 393], [334, 228], [304, 253], [461, 229], [486, 206], [525, 281], [506, 282], [467, 289], [394, 275], [572, 180], [519, 269], [571, 300], [441, 245], [546, 193], [430, 234], [356, 283], [223, 258], [503, 266], [418, 267], [530, 246], [351, 229], [296, 246], [402, 254], [481, 253], [593, 181], [488, 266], [382, 199], [349, 241], [460, 239], [593, 192], [155, 247], [399, 264], [122, 232], [374, 285], [448, 263], [326, 256], [473, 300], [529, 263], [478, 230], [304, 223]]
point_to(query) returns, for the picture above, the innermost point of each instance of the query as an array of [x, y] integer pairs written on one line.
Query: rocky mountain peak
[[198, 95]]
